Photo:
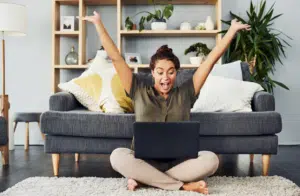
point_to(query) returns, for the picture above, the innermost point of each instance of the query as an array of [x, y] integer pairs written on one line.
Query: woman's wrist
[[232, 29]]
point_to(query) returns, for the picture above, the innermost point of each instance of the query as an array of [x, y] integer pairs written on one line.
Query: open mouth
[[165, 86]]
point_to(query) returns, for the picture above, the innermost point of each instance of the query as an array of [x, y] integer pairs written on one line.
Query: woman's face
[[164, 75]]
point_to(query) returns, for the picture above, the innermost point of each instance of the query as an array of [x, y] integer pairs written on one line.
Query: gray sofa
[[3, 141], [70, 128]]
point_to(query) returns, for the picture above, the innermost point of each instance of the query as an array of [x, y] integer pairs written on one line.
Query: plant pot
[[196, 60], [134, 27], [158, 25]]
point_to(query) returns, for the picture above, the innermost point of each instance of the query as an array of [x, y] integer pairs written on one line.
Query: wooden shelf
[[131, 66], [71, 66], [146, 2], [100, 2], [147, 66], [81, 33], [67, 33], [170, 33], [174, 2], [67, 2]]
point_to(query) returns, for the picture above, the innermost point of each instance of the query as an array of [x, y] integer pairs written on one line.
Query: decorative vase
[[159, 25], [209, 24], [72, 57]]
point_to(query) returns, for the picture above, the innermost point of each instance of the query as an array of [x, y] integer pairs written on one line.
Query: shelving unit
[[169, 33], [81, 32]]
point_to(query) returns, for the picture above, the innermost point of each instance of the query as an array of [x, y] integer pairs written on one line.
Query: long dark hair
[[164, 52]]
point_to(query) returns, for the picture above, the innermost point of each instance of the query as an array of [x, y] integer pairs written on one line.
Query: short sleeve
[[136, 85], [188, 87]]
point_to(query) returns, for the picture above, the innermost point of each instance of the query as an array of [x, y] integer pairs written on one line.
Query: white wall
[[28, 60]]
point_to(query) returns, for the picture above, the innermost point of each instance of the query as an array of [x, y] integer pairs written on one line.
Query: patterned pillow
[[99, 89]]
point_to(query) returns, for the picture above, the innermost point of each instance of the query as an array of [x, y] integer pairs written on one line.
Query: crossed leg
[[124, 162]]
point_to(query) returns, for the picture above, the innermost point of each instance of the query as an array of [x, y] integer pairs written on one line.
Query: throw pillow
[[220, 94], [99, 89], [230, 70]]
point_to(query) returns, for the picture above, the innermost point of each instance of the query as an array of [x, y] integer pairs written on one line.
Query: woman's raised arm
[[121, 66], [205, 68]]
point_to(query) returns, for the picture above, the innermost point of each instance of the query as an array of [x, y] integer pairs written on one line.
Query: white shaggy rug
[[86, 186]]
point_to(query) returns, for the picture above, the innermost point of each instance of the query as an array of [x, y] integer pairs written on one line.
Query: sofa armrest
[[63, 101], [3, 131], [263, 101]]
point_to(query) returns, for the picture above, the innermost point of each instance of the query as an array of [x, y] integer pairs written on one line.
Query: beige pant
[[165, 175]]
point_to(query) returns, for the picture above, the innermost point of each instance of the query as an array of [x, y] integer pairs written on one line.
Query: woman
[[163, 102]]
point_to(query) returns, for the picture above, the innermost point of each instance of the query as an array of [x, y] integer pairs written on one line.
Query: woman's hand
[[237, 26], [93, 19]]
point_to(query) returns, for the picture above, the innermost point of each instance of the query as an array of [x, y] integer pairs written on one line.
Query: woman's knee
[[212, 159], [118, 156]]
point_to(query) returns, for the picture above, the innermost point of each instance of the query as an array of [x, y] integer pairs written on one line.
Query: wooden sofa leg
[[77, 156], [55, 163], [5, 155], [42, 134], [26, 137], [266, 163], [251, 158]]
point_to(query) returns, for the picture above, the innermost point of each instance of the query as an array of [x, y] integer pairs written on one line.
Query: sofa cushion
[[221, 145], [238, 123], [96, 124], [87, 124]]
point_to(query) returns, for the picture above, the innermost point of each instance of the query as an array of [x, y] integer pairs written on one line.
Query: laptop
[[166, 140]]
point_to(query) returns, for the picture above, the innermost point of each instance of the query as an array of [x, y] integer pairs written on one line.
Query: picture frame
[[133, 58], [67, 23]]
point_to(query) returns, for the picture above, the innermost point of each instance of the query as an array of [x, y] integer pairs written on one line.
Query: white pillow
[[220, 94], [230, 70]]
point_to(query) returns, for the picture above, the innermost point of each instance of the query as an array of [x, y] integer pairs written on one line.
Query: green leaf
[[226, 22], [237, 17], [251, 7], [262, 10], [141, 23], [281, 85], [276, 17], [158, 14], [238, 38], [150, 17], [223, 32], [128, 24], [168, 11]]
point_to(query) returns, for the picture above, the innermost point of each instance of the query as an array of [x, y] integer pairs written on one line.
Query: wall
[[28, 59]]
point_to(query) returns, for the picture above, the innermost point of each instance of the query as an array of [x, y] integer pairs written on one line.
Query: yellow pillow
[[100, 90]]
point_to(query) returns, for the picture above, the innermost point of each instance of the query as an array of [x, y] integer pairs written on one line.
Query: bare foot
[[200, 187], [132, 184]]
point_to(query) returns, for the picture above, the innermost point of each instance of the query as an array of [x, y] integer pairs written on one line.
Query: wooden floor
[[36, 163]]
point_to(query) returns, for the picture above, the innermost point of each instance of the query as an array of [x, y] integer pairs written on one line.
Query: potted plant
[[201, 51], [261, 47], [158, 18]]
